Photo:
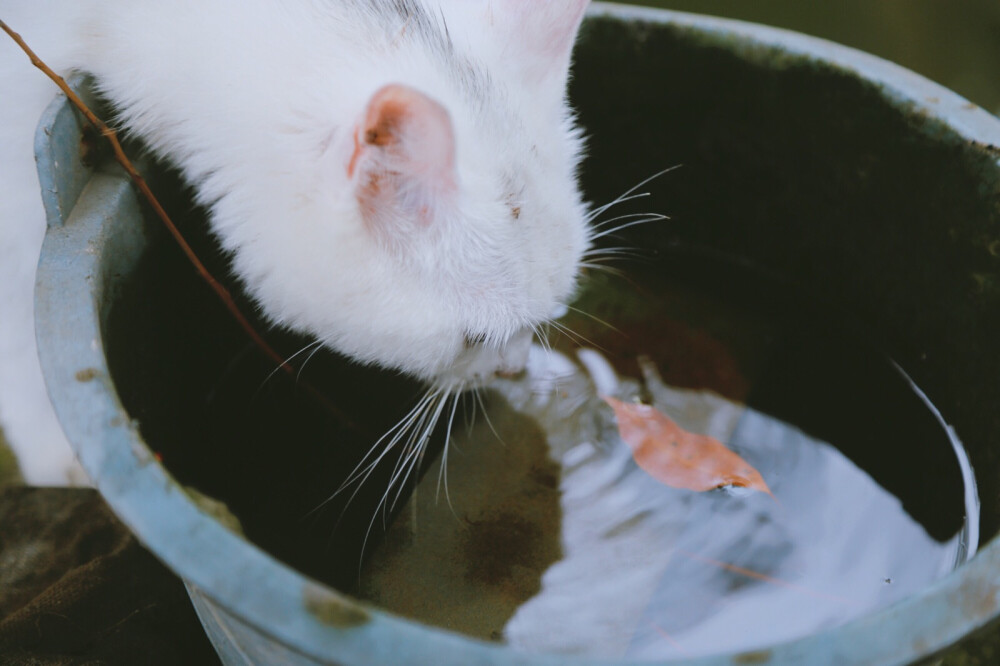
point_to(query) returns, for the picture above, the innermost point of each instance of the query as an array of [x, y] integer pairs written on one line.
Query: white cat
[[396, 179]]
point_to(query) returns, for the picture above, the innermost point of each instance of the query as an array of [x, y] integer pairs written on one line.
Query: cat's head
[[445, 222]]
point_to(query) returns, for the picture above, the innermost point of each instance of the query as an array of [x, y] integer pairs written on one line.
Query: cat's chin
[[480, 364]]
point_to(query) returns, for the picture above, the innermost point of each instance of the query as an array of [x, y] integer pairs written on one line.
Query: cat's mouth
[[479, 364]]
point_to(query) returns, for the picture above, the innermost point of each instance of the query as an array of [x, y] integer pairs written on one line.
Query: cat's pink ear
[[403, 164], [540, 35]]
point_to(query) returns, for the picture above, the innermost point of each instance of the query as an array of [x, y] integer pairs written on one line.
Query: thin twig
[[140, 183]]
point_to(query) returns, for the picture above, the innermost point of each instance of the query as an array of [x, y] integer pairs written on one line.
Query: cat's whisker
[[652, 217], [603, 262], [404, 469], [456, 397], [234, 362], [593, 318], [358, 486], [298, 374], [469, 416], [413, 423], [401, 470], [618, 251], [574, 336], [628, 216], [416, 444], [315, 344], [596, 265], [397, 432], [486, 415], [420, 461], [597, 212], [375, 454], [429, 398], [443, 470], [541, 337], [594, 257], [628, 195], [419, 439], [617, 218]]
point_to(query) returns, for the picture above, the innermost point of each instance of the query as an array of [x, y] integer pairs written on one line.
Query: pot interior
[[821, 239]]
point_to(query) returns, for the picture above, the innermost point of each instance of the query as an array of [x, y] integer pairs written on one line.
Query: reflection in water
[[640, 569], [472, 543]]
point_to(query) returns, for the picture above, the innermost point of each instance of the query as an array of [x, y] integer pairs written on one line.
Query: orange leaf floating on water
[[679, 458]]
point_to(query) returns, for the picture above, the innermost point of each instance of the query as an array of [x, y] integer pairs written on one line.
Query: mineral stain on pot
[[87, 374], [336, 612], [754, 657]]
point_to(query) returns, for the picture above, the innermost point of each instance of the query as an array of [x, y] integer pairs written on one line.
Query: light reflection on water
[[836, 545], [640, 569]]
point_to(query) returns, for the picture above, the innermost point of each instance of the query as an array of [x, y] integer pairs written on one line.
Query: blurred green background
[[953, 42]]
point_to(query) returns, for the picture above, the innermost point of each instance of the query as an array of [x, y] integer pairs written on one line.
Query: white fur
[[259, 103]]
